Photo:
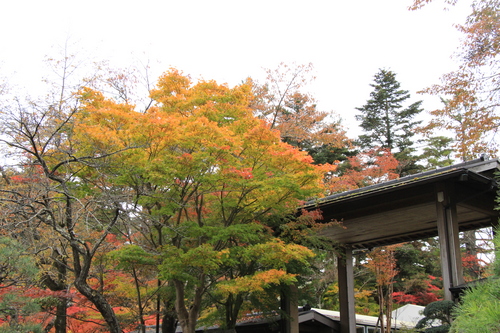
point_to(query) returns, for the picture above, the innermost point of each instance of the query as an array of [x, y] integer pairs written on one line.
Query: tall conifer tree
[[387, 123]]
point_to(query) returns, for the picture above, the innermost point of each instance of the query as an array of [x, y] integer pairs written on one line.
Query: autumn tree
[[207, 177], [17, 185], [382, 263], [470, 93], [41, 190], [282, 102], [366, 168], [75, 210], [470, 123], [388, 123]]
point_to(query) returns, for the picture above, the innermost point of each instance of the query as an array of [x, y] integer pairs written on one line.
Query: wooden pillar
[[449, 243], [290, 305], [346, 292]]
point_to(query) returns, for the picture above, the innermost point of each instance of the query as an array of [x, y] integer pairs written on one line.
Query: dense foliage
[[387, 122], [183, 200], [478, 309]]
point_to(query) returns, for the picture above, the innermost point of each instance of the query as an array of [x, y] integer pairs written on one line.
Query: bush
[[437, 317]]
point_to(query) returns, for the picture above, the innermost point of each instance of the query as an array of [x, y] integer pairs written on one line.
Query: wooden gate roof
[[405, 209]]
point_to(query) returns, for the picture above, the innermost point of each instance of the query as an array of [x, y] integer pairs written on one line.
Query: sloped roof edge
[[473, 168]]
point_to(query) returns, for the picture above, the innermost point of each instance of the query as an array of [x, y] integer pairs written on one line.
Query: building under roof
[[440, 202]]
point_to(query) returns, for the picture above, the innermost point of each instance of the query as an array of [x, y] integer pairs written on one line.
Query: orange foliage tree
[[52, 202], [206, 179], [366, 168], [281, 102], [471, 93], [382, 263]]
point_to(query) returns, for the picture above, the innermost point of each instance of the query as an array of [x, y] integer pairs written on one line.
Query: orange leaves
[[218, 103], [382, 263], [482, 43], [204, 169], [303, 125], [103, 125], [470, 94], [465, 116], [367, 168], [229, 150], [196, 132], [245, 173]]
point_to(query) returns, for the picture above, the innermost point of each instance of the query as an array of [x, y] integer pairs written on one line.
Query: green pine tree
[[387, 123], [437, 152]]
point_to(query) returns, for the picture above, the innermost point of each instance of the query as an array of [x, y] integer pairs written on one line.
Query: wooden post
[[449, 243], [346, 292], [290, 305]]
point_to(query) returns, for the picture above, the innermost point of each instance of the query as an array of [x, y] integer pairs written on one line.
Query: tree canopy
[[387, 122], [191, 183]]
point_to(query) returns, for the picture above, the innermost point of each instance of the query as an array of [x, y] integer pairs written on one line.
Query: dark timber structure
[[440, 203]]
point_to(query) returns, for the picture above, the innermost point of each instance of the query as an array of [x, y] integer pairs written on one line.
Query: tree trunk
[[232, 307], [187, 318], [169, 319], [381, 308], [59, 263], [169, 322], [100, 303], [94, 296], [60, 323], [388, 306], [139, 302]]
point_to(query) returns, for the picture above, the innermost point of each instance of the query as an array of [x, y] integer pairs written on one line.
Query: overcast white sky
[[229, 40]]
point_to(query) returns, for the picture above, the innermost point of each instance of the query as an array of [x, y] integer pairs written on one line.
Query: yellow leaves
[[257, 282], [103, 125], [278, 254], [188, 263], [172, 89], [157, 132], [218, 103]]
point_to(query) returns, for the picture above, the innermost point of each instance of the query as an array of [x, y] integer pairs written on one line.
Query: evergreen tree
[[387, 123], [437, 152], [437, 317]]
